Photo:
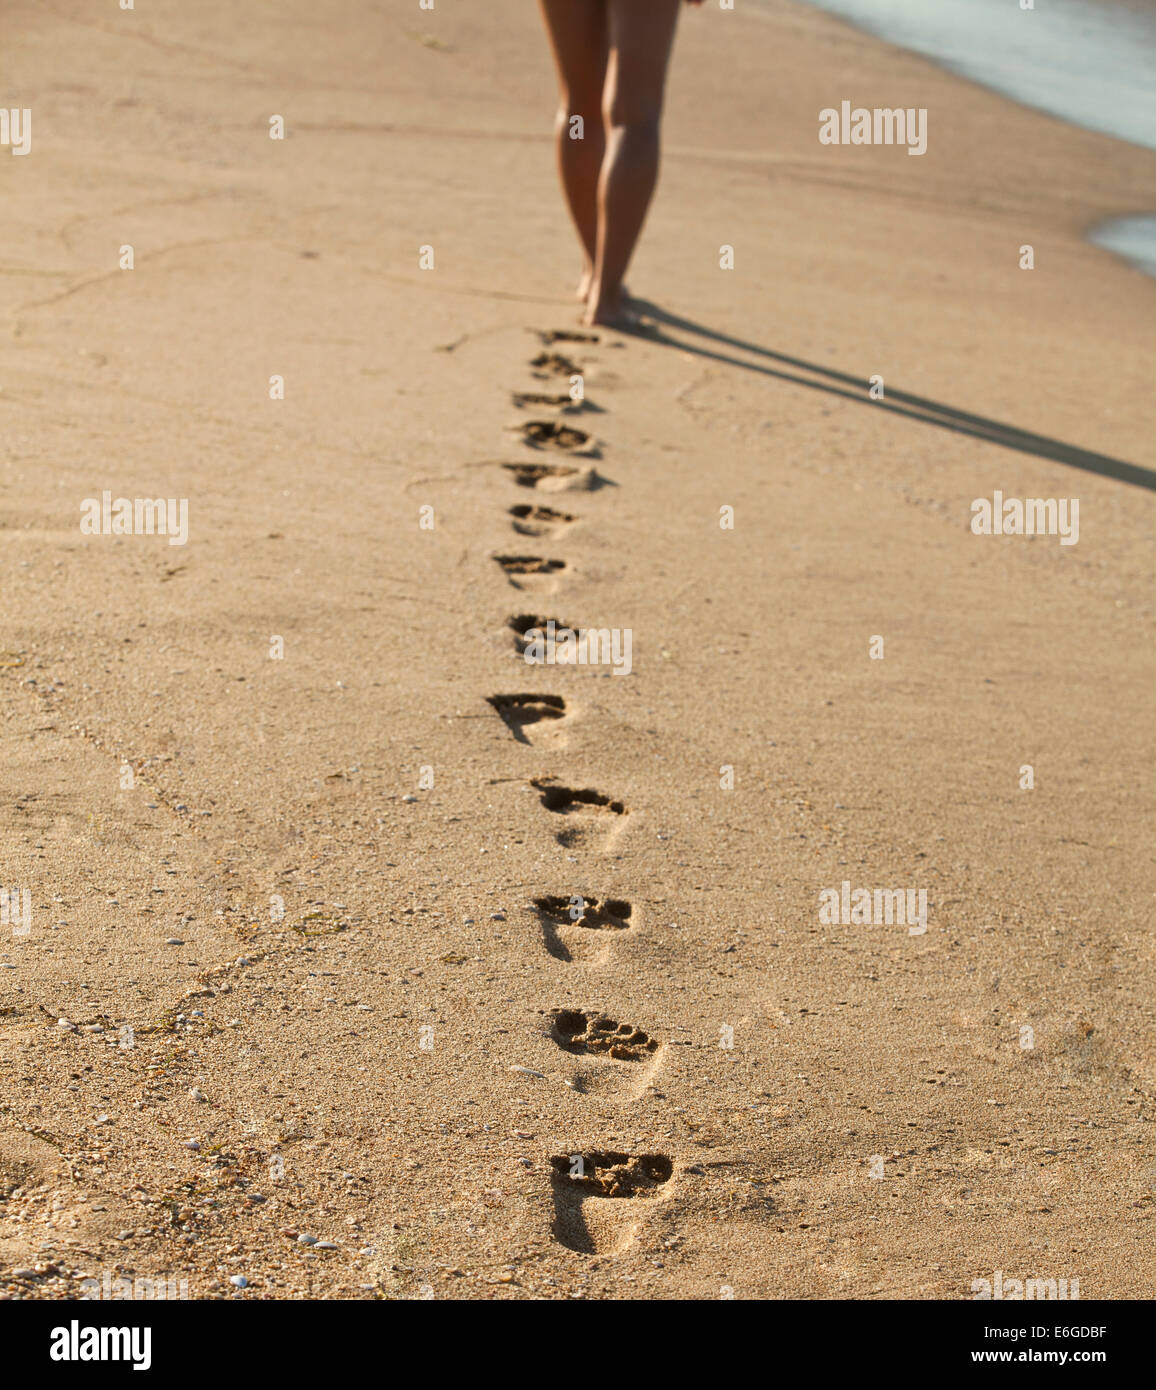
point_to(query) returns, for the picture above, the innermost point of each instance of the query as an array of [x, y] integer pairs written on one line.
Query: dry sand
[[380, 1069]]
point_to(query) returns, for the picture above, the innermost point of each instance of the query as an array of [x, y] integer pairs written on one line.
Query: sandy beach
[[350, 930]]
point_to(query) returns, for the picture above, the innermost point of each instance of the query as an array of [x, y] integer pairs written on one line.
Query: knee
[[638, 125], [578, 117]]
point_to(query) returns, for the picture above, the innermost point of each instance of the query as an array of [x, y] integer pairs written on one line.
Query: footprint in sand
[[589, 1190], [539, 521], [581, 1030], [587, 812], [525, 623], [550, 336], [563, 402], [522, 712], [581, 929], [552, 434], [530, 571], [553, 477], [548, 364], [605, 1044]]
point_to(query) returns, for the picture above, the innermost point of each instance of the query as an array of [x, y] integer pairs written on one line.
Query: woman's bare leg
[[641, 35], [579, 38]]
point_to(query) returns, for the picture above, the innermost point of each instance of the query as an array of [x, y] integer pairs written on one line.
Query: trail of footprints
[[609, 1057]]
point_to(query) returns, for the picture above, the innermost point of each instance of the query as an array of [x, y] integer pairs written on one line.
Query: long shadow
[[896, 402]]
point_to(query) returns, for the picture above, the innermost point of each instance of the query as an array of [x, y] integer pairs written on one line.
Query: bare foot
[[586, 283], [612, 313]]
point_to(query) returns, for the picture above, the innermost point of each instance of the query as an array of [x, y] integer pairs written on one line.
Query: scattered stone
[[239, 1280], [173, 941], [409, 797], [526, 1071], [306, 1240]]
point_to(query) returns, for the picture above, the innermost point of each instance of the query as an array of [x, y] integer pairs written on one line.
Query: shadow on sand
[[896, 402]]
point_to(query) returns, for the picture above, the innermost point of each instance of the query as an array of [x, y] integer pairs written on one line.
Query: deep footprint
[[524, 398], [528, 567], [550, 434], [539, 521], [531, 474], [578, 928], [563, 800], [585, 1184], [518, 711], [611, 914], [550, 336], [524, 623], [548, 364], [553, 477], [580, 1031]]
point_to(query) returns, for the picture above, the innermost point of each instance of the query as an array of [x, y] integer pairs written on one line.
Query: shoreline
[[1132, 235]]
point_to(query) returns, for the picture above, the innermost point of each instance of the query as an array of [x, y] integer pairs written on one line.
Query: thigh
[[641, 38], [578, 37]]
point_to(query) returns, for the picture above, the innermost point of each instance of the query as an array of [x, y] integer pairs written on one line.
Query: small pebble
[[197, 1094], [23, 1274], [526, 1071], [409, 797], [192, 1143], [66, 1023], [173, 941], [326, 1245], [239, 1280], [306, 1240]]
